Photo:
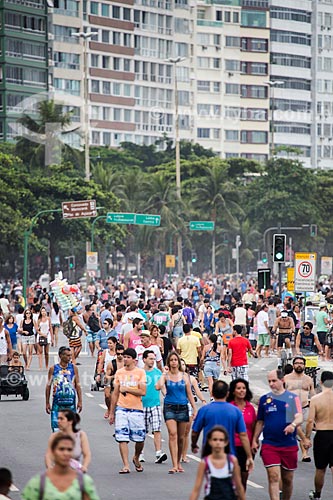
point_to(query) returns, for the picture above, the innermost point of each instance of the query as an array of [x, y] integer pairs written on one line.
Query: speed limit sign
[[305, 272]]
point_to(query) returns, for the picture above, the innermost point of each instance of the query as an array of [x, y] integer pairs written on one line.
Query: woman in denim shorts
[[175, 411]]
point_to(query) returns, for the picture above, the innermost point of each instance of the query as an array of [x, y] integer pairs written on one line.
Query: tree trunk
[[214, 253], [51, 257]]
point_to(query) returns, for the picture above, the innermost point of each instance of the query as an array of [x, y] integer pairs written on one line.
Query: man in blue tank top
[[64, 377]]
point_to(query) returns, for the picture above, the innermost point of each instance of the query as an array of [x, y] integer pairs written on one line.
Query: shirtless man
[[321, 414], [285, 327], [302, 385]]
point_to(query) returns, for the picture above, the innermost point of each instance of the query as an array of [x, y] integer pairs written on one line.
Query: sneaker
[[312, 495], [141, 458], [161, 458]]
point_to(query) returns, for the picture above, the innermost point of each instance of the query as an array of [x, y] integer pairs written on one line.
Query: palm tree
[[43, 135], [218, 197]]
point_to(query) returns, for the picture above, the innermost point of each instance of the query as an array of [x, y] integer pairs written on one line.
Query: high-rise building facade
[[23, 58]]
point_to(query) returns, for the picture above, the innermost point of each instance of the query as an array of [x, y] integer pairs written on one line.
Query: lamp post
[[86, 37], [175, 61], [271, 84]]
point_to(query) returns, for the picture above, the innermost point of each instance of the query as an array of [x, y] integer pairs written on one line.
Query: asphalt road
[[25, 428]]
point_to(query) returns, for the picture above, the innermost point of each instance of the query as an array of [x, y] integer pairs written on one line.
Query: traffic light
[[194, 257], [313, 230], [264, 257], [71, 261], [279, 247]]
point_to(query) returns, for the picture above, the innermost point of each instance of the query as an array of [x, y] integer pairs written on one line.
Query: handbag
[[42, 341]]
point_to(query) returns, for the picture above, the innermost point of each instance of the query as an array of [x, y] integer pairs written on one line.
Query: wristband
[[294, 425]]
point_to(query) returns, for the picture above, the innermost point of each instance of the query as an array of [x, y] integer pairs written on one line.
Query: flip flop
[[138, 466], [180, 469], [124, 471], [173, 471], [106, 415]]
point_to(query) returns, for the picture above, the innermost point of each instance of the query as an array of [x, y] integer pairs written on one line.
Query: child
[[15, 361], [220, 469]]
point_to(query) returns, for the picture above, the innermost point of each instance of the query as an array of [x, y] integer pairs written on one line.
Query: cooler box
[[311, 360]]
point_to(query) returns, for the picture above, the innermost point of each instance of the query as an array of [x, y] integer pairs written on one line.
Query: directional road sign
[[119, 218], [147, 219], [305, 272], [79, 209], [170, 260], [202, 225]]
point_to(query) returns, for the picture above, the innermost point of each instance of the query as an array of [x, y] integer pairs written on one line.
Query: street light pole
[[86, 36], [238, 244], [271, 84], [175, 61]]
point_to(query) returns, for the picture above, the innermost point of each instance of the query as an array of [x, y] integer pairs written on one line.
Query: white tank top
[[108, 358], [44, 327]]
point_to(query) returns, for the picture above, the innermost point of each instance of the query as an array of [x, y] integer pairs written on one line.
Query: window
[[106, 88], [66, 60], [105, 10], [94, 8], [216, 109], [253, 114], [127, 115], [181, 25], [232, 135], [294, 128], [232, 65], [116, 12], [301, 16], [116, 64], [105, 36], [127, 65], [217, 40], [116, 38], [96, 137], [232, 112], [295, 61], [254, 91], [253, 137], [106, 138], [232, 41], [251, 68], [95, 110], [216, 63], [127, 40], [126, 14], [116, 89], [70, 86], [203, 109], [94, 60], [203, 62], [254, 44], [227, 16], [181, 49], [106, 114], [290, 37], [95, 86], [105, 62], [203, 38], [203, 86], [253, 18], [216, 133], [232, 88], [218, 15], [203, 133], [127, 90], [183, 98], [216, 86], [117, 114], [235, 17]]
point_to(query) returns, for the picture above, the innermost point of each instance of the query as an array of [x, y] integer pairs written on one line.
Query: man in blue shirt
[[104, 334], [219, 412], [152, 406], [279, 414]]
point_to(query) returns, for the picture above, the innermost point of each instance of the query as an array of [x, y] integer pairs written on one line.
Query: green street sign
[[147, 219], [202, 225], [118, 218]]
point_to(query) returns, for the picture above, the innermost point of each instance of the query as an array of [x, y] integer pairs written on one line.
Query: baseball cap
[[322, 304], [145, 333]]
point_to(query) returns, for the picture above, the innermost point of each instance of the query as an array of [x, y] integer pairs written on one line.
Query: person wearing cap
[[301, 384], [64, 376], [322, 320], [285, 327], [126, 410], [147, 345]]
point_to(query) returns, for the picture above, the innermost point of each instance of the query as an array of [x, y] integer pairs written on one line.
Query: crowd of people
[[179, 341]]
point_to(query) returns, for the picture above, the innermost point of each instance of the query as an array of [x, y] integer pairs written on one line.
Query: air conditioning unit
[[51, 36], [217, 47]]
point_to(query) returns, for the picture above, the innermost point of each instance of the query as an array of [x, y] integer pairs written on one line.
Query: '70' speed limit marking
[[305, 269]]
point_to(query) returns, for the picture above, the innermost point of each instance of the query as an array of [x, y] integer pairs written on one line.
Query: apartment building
[[322, 95], [23, 58], [292, 89]]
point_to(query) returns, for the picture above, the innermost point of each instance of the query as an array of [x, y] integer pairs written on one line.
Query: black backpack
[[93, 323]]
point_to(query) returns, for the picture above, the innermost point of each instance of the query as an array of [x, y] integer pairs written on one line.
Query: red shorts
[[284, 456]]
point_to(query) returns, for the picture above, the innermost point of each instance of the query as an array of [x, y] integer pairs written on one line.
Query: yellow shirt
[[132, 379], [188, 347], [196, 334]]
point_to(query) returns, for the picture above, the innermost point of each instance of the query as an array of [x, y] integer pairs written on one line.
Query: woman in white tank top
[[45, 337]]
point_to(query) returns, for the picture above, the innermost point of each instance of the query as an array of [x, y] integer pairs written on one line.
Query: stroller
[[13, 382]]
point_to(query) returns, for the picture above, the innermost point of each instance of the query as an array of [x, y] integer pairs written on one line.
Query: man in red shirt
[[238, 348]]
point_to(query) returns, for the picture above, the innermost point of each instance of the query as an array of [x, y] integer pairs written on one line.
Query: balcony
[[33, 4], [209, 24]]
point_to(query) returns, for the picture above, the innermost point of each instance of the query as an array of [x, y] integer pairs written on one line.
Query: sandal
[[138, 466], [124, 470], [173, 471], [185, 460], [106, 415], [180, 469]]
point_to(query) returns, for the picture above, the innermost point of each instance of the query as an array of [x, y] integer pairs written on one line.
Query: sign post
[[92, 261], [79, 209], [264, 278], [305, 272], [202, 225], [326, 266]]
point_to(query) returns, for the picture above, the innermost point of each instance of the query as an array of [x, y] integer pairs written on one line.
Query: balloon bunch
[[65, 294]]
